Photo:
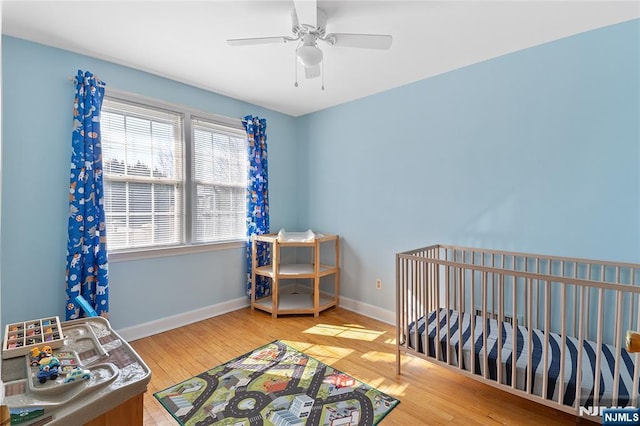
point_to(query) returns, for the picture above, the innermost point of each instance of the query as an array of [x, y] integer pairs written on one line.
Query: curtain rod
[[75, 80]]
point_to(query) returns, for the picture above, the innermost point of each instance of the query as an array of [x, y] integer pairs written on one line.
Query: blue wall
[[38, 99], [535, 151]]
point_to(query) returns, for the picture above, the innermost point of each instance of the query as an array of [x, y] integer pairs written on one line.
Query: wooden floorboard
[[355, 344]]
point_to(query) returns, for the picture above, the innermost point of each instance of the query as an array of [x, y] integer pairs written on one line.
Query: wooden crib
[[561, 322]]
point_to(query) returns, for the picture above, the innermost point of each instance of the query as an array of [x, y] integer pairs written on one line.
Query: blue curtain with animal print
[[87, 271], [257, 199]]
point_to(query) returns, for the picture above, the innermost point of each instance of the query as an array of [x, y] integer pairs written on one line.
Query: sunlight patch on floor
[[394, 389], [382, 384], [375, 356], [408, 360], [347, 331], [331, 354], [327, 354]]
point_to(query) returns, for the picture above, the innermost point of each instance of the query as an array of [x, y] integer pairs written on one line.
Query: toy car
[[76, 373], [36, 355], [50, 361], [47, 372]]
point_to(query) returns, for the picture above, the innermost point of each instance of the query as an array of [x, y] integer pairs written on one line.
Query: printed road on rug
[[275, 384]]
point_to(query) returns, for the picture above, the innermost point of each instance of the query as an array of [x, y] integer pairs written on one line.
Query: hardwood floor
[[355, 344]]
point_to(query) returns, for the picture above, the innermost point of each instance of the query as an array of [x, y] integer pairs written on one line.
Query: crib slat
[[453, 283], [537, 294], [484, 326], [587, 321], [632, 310], [514, 329], [616, 377], [617, 324], [473, 313], [581, 327], [575, 299], [596, 379], [437, 310], [413, 295], [413, 303], [461, 311], [527, 297], [493, 287], [399, 310], [499, 323], [429, 285], [410, 316], [529, 338], [428, 277], [447, 281], [547, 320], [563, 347], [636, 370]]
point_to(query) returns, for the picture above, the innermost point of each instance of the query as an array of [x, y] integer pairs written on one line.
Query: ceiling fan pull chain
[[323, 75]]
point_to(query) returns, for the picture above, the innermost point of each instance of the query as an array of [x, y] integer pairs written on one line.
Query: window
[[167, 187], [220, 182]]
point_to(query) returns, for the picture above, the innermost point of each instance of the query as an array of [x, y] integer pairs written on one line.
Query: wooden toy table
[[112, 395]]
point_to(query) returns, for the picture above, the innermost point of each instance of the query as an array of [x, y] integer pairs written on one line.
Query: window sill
[[124, 256]]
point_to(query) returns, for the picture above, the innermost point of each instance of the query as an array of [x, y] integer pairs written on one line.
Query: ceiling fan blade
[[312, 72], [307, 11], [367, 41], [257, 40]]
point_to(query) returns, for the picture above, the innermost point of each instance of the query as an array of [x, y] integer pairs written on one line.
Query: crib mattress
[[566, 385]]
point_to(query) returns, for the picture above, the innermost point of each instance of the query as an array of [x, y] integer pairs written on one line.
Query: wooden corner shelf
[[299, 300]]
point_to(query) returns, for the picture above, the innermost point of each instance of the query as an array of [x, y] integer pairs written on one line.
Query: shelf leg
[[275, 281], [274, 297], [316, 279]]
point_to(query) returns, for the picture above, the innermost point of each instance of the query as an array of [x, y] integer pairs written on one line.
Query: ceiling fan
[[308, 24]]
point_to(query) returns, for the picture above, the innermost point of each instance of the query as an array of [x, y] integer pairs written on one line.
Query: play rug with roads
[[275, 384]]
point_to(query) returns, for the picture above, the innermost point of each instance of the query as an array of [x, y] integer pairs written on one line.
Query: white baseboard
[[361, 308], [353, 305], [367, 310], [169, 323], [164, 324]]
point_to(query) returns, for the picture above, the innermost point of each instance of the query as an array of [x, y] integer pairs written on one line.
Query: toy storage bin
[[21, 337]]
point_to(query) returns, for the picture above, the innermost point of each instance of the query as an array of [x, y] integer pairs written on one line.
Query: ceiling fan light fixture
[[309, 56]]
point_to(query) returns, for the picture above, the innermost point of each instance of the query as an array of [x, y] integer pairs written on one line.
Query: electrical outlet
[[378, 283]]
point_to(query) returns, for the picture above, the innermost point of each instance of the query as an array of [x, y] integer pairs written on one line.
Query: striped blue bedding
[[567, 385]]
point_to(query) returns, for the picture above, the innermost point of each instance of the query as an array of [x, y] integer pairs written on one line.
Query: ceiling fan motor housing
[[300, 29]]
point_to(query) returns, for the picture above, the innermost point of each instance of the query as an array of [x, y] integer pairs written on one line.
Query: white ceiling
[[186, 40]]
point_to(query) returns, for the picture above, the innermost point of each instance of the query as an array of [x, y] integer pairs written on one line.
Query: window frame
[[188, 114], [208, 125]]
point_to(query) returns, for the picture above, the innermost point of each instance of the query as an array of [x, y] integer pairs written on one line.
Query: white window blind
[[219, 182], [143, 175]]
